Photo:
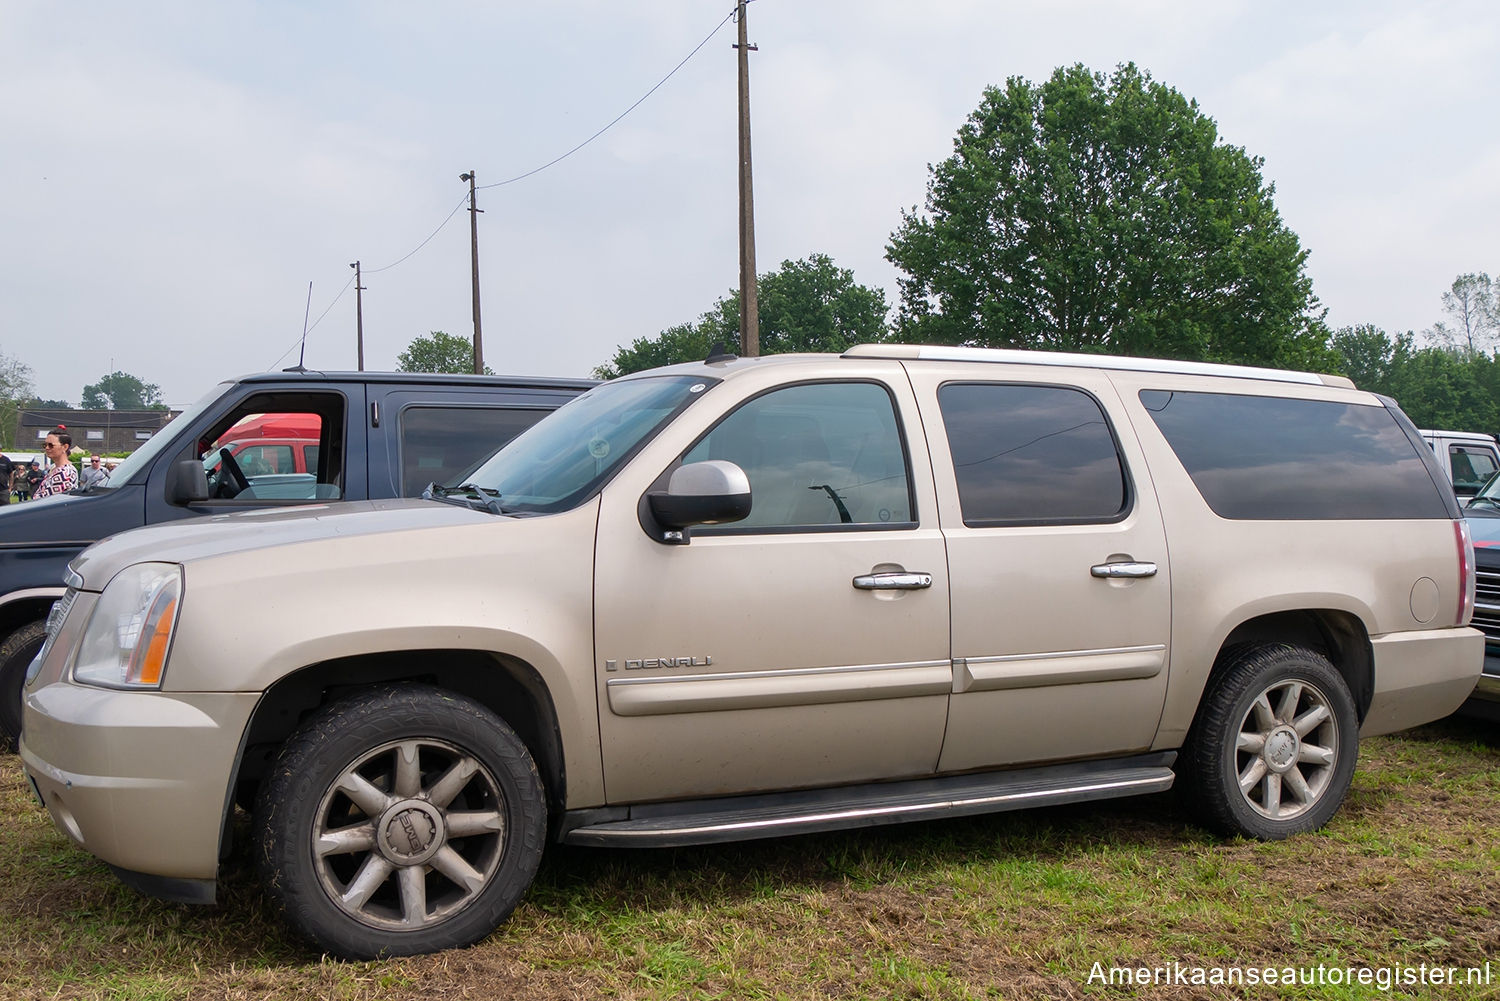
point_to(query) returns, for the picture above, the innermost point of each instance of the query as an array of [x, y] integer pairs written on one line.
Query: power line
[[519, 177], [622, 114]]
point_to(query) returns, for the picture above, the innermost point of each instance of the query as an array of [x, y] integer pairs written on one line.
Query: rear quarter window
[[1267, 458]]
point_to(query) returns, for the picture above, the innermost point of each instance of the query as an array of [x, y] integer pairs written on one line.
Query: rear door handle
[[901, 580], [1117, 570]]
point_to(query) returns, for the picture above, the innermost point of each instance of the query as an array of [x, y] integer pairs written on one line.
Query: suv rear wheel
[[1272, 752], [402, 820]]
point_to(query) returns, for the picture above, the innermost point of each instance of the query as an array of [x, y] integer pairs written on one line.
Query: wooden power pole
[[474, 211], [359, 316], [749, 310]]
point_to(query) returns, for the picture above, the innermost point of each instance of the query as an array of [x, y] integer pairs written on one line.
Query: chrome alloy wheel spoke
[[410, 861], [1286, 749]]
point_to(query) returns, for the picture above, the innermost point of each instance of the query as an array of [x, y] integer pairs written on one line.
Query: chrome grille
[[55, 618], [1487, 604]]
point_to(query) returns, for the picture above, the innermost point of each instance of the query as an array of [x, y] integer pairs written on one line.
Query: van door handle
[[893, 581], [1114, 571]]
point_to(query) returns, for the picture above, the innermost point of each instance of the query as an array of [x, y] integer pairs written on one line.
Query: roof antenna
[[719, 353], [302, 354]]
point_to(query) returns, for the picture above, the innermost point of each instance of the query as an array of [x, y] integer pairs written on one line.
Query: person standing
[[7, 468], [34, 476], [93, 475], [62, 477]]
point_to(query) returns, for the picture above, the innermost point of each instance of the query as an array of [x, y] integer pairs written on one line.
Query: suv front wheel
[[402, 820], [1272, 752]]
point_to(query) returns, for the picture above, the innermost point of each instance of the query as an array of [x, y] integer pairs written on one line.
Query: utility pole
[[359, 315], [474, 211], [749, 310]]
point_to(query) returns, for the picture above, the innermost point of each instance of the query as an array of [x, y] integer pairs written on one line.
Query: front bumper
[[139, 779], [1421, 676]]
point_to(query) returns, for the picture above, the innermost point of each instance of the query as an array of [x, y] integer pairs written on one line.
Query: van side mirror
[[187, 483], [714, 492]]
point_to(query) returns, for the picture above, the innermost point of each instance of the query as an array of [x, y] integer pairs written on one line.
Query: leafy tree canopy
[[1438, 387], [806, 305], [122, 391], [439, 351], [1101, 213]]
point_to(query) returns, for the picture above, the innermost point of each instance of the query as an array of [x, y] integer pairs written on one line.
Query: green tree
[[1094, 213], [122, 391], [1370, 356], [439, 351], [15, 390], [806, 305], [1438, 387], [1472, 303]]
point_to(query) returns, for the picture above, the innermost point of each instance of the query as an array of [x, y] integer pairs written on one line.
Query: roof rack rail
[[927, 352]]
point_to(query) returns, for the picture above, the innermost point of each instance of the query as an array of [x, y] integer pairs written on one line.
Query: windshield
[[1489, 493], [140, 460], [563, 459]]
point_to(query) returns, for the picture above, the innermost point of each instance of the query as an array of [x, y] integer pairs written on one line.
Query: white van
[[1467, 457]]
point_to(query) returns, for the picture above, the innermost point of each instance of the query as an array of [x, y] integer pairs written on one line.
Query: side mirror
[[701, 493], [187, 483]]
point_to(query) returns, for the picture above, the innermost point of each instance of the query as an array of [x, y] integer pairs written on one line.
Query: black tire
[[16, 654], [390, 877], [1273, 750]]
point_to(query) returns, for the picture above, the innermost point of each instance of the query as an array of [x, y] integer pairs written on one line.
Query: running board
[[745, 818]]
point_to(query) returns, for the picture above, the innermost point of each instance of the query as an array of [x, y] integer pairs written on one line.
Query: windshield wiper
[[469, 495]]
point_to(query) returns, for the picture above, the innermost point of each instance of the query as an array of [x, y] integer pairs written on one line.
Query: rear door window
[[1028, 454]]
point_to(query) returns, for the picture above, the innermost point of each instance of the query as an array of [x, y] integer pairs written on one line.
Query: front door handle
[[899, 580], [1113, 571]]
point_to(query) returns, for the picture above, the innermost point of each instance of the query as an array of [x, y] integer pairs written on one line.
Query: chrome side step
[[745, 818]]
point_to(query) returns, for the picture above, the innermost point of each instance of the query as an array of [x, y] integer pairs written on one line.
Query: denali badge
[[651, 663]]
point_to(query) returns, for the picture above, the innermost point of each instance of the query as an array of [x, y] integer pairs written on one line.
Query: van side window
[[1267, 458], [1471, 467], [825, 454], [1027, 454], [441, 444]]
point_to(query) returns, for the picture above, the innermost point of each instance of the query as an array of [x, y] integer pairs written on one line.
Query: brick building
[[106, 431]]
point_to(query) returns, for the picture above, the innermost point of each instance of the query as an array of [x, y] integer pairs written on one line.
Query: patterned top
[[59, 480]]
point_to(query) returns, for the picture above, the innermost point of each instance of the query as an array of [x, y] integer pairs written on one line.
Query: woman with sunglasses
[[62, 477]]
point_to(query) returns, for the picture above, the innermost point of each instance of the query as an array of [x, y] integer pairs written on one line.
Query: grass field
[[1019, 905]]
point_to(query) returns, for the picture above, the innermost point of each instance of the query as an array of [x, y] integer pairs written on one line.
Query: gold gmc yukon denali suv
[[759, 597]]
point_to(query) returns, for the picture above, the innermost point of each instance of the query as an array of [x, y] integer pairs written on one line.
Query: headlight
[[125, 642]]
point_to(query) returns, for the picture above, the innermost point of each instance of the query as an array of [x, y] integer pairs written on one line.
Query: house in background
[[93, 430]]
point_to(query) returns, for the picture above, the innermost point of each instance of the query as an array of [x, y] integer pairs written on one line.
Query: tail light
[[1465, 571]]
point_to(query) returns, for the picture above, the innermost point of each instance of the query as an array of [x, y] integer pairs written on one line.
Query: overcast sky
[[175, 174]]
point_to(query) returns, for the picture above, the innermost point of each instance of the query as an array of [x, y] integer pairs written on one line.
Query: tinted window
[[1471, 467], [825, 454], [1031, 454], [440, 444], [1266, 458]]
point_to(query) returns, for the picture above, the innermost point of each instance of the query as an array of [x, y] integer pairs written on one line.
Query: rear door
[[1058, 565]]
